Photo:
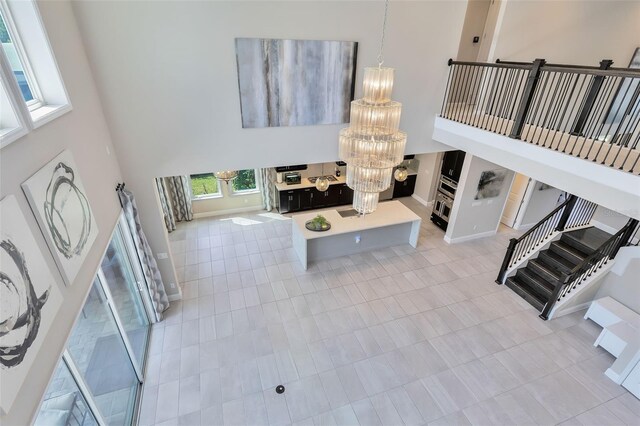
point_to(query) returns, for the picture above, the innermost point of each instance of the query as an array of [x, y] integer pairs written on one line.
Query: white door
[[515, 199]]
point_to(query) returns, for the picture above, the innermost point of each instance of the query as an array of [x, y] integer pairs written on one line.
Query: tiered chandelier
[[372, 145]]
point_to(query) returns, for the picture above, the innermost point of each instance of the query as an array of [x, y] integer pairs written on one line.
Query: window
[[205, 185], [17, 61], [245, 182], [31, 82]]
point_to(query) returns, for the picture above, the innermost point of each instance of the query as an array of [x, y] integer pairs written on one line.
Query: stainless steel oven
[[447, 186], [442, 206]]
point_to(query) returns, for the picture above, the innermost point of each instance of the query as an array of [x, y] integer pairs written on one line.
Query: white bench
[[620, 335]]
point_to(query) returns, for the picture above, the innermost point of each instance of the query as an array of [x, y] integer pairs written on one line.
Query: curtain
[[175, 200], [268, 188], [167, 211], [152, 275]]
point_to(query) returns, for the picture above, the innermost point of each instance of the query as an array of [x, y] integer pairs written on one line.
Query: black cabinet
[[307, 198], [289, 201], [327, 198], [406, 188], [345, 194], [310, 198], [452, 162]]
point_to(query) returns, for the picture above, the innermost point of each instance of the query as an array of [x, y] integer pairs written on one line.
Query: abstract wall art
[[59, 202], [29, 300], [295, 82], [490, 184]]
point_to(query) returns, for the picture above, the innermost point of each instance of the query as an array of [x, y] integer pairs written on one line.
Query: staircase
[[537, 281], [560, 255]]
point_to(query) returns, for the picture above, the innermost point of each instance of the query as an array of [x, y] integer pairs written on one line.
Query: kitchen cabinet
[[289, 201], [345, 194], [310, 198], [307, 198], [452, 162], [328, 198], [406, 188]]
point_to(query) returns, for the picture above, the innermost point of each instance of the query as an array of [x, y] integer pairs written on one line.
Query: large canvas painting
[[490, 184], [295, 82], [60, 204], [29, 300]]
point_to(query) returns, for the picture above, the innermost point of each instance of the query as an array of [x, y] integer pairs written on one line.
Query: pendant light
[[401, 174], [226, 175], [372, 145], [322, 183]]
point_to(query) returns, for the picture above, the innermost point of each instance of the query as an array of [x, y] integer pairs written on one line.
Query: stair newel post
[[507, 259], [527, 98], [587, 106], [563, 279], [568, 209]]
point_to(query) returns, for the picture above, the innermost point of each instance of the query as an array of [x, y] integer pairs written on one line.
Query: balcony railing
[[587, 112]]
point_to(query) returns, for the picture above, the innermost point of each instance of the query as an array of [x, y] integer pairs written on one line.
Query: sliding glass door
[[125, 291], [97, 349], [99, 378]]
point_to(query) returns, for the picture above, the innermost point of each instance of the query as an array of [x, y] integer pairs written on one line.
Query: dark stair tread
[[537, 283], [560, 263], [543, 269], [586, 240], [570, 253], [524, 291]]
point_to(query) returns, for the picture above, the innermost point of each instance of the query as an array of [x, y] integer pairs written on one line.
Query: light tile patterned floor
[[400, 335]]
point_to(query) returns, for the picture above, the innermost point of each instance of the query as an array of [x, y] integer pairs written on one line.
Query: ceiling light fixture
[[226, 175], [401, 174], [322, 183], [372, 145]]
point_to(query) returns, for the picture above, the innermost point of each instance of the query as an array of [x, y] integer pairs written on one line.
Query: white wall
[[474, 21], [471, 218], [84, 132], [539, 204], [622, 281], [609, 220], [568, 32], [168, 79], [428, 173], [229, 202]]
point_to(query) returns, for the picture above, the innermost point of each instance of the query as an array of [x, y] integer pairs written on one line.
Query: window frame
[[234, 192], [41, 71], [209, 196], [32, 82]]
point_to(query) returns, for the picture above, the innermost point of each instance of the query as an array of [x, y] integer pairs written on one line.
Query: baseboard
[[226, 212], [571, 310], [174, 297], [427, 204], [469, 237]]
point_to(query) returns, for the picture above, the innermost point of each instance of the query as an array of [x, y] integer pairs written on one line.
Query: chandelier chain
[[384, 26]]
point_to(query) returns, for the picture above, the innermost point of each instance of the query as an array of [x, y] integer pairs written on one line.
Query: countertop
[[306, 184], [388, 213]]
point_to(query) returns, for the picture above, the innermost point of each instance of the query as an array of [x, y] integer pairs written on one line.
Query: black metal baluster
[[447, 89]]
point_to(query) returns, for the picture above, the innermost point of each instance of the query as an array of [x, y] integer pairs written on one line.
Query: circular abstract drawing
[[19, 306], [67, 212]]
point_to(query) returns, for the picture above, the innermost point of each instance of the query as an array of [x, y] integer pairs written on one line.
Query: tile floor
[[400, 335]]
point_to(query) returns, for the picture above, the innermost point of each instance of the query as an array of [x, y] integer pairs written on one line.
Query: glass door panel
[[63, 403], [124, 292], [99, 354]]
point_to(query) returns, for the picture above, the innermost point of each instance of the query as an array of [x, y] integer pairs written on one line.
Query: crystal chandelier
[[226, 175], [372, 145]]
